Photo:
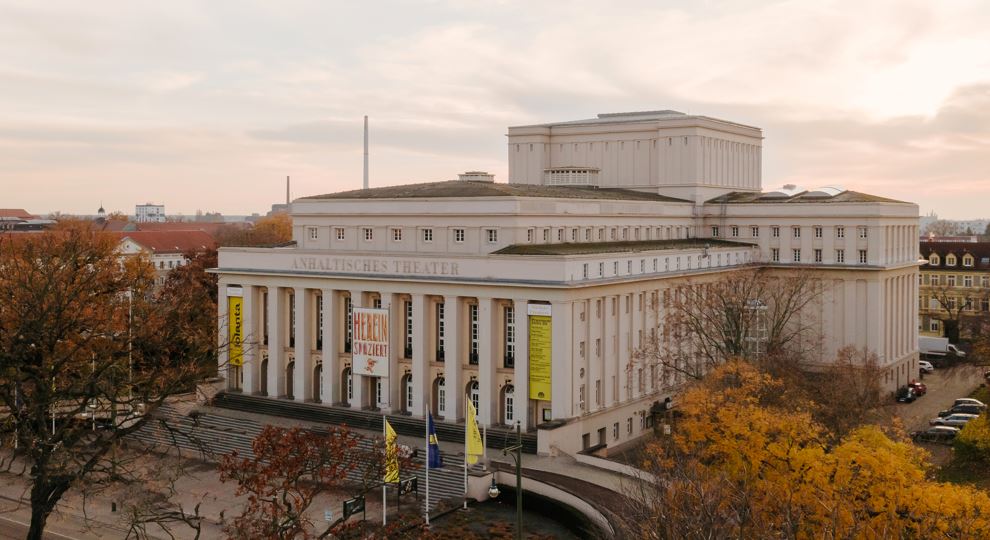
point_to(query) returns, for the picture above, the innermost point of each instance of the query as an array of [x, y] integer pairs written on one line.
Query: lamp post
[[516, 452]]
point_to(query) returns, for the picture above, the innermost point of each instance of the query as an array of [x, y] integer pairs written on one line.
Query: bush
[[973, 441]]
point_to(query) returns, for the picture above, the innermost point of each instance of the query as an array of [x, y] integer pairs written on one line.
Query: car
[[918, 387], [969, 401], [956, 420], [936, 434], [906, 394], [965, 409], [926, 366]]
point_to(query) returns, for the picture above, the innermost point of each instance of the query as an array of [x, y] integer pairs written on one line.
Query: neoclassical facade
[[530, 298]]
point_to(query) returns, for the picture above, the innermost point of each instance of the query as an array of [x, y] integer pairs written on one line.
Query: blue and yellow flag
[[435, 460], [391, 455], [473, 447]]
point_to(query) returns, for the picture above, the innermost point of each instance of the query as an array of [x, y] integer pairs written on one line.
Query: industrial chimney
[[365, 151]]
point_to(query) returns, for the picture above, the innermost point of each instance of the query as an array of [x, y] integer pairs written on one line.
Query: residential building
[[954, 284], [530, 298], [166, 250], [149, 213]]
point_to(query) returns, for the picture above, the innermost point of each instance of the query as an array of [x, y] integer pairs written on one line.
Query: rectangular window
[[754, 231], [584, 271], [933, 325], [734, 231], [587, 235], [601, 234], [313, 233], [319, 322], [796, 231], [818, 255], [440, 334], [348, 322], [396, 235], [629, 426], [510, 337], [408, 349], [715, 231], [985, 282], [863, 232], [615, 431], [840, 232], [951, 281], [427, 235], [818, 232], [840, 256], [560, 235], [473, 317], [492, 235], [601, 269], [546, 235], [775, 231], [529, 235], [967, 281], [796, 255], [862, 256], [774, 255], [574, 233], [459, 235], [369, 234], [340, 232]]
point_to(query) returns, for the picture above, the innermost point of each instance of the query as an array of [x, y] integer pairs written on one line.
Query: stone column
[[276, 343], [520, 376], [487, 385], [250, 342], [453, 357], [223, 337], [562, 372], [331, 348], [420, 361], [396, 319], [303, 372], [357, 381]]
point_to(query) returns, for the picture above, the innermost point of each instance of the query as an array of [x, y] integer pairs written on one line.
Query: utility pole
[[365, 151]]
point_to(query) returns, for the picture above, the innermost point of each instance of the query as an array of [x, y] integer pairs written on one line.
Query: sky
[[210, 105]]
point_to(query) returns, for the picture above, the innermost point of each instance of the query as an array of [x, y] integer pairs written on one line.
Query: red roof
[[170, 241], [16, 213]]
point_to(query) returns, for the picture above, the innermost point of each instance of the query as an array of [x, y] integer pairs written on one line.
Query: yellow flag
[[473, 444], [391, 455]]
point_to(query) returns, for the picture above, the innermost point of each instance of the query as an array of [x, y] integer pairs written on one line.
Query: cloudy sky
[[209, 105]]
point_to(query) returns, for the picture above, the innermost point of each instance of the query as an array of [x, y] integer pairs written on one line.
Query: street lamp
[[493, 491], [516, 452]]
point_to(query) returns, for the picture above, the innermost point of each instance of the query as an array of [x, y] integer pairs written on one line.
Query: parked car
[[964, 409], [936, 434], [918, 387], [926, 366], [969, 401], [905, 394], [956, 420]]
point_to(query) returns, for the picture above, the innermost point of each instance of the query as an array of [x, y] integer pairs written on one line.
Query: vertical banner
[[235, 322], [540, 351], [369, 341]]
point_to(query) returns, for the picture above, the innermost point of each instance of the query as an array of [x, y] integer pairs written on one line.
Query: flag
[[391, 455], [473, 446], [435, 460]]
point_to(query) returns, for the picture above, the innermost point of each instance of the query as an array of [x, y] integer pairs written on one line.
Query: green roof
[[592, 248], [742, 197], [466, 188]]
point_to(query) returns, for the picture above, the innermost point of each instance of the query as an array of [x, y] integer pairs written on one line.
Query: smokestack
[[287, 191], [365, 151]]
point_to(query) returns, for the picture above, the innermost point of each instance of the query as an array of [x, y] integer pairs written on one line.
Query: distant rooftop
[[466, 189], [632, 117], [636, 246]]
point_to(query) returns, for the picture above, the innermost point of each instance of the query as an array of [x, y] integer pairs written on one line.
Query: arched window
[[474, 393], [318, 382], [409, 393], [441, 393], [289, 379], [348, 383]]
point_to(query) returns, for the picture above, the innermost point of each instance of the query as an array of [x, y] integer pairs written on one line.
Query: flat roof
[[746, 197], [460, 189], [633, 117], [635, 246]]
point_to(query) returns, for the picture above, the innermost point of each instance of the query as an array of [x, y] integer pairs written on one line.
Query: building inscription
[[376, 266]]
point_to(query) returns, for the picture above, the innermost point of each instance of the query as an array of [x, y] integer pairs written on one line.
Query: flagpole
[[384, 501], [429, 417]]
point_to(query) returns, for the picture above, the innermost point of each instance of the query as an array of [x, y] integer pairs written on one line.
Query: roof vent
[[476, 176], [571, 176]]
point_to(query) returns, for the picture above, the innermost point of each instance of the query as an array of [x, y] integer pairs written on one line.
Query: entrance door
[[318, 382], [508, 406], [289, 379]]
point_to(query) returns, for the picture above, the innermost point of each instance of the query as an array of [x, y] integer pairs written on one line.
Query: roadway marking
[[47, 532]]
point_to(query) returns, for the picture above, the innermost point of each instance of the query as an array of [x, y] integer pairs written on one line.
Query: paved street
[[944, 386]]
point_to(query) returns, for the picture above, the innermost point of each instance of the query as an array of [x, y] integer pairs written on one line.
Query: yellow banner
[[391, 455], [540, 361], [235, 316], [472, 437]]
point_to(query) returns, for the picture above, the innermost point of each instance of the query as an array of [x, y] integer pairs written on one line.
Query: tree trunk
[[39, 517]]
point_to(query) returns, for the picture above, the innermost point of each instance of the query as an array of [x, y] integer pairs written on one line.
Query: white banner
[[369, 341]]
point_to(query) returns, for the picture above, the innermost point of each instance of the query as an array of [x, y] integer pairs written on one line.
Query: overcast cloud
[[209, 105]]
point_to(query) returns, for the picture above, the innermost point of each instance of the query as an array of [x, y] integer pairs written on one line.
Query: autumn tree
[[290, 468], [843, 394], [83, 336], [267, 231], [748, 460], [763, 315], [959, 307]]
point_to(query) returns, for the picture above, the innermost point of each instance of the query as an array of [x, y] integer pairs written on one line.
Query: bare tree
[[762, 315], [956, 303], [942, 227], [87, 353]]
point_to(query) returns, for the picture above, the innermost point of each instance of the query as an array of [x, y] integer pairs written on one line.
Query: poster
[[369, 341], [540, 352], [235, 314]]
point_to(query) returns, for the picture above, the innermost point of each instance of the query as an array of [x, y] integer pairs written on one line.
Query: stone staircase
[[498, 437], [207, 436]]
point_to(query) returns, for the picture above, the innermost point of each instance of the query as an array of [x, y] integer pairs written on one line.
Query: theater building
[[530, 297]]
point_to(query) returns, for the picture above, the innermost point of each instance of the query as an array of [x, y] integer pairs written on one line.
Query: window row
[[817, 254], [690, 262], [754, 231], [952, 280], [397, 234], [968, 261]]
